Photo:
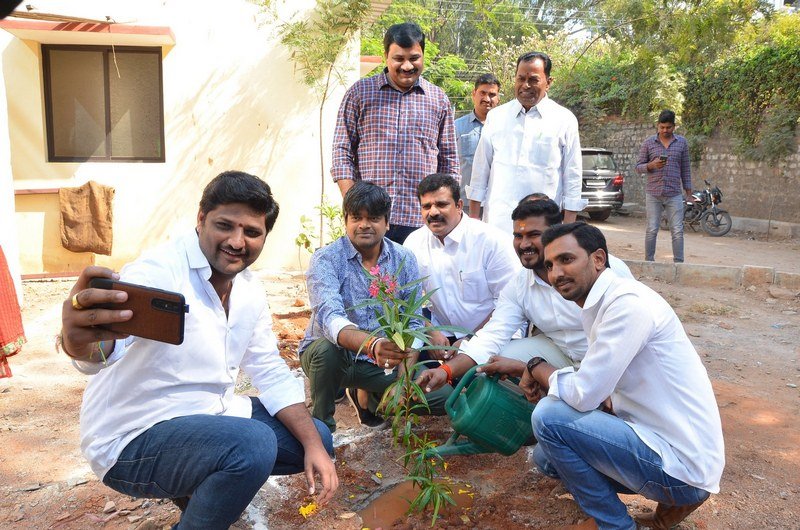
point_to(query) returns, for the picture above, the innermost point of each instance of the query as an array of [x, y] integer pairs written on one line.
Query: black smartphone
[[157, 314], [663, 158]]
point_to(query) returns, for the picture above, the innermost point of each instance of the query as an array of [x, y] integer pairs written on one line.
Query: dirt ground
[[748, 338]]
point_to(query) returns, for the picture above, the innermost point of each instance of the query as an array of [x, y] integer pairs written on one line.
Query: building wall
[[232, 100], [750, 189]]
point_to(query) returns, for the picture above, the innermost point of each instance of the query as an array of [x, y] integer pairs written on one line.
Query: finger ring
[[75, 304]]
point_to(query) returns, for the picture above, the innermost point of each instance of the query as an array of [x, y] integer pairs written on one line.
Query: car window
[[598, 161]]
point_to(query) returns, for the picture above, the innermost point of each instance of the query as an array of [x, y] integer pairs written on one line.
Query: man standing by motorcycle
[[664, 157]]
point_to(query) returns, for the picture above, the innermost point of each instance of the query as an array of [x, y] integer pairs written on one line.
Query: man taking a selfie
[[163, 421]]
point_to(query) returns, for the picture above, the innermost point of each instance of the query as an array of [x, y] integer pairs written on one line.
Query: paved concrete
[[737, 259]]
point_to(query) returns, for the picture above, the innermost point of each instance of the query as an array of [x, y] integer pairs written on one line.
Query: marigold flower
[[308, 509]]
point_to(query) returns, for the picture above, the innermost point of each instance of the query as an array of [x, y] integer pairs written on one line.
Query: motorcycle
[[702, 208]]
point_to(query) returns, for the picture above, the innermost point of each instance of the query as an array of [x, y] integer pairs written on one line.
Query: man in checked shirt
[[664, 157], [394, 129]]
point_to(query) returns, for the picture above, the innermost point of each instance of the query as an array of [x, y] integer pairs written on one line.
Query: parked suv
[[602, 183]]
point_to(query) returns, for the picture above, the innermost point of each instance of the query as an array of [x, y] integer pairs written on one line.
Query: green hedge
[[754, 95]]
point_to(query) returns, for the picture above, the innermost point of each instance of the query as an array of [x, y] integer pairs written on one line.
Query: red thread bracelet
[[448, 371]]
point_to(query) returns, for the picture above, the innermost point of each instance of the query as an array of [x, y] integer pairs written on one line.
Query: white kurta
[[525, 152]]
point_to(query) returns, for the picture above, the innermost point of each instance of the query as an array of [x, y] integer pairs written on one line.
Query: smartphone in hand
[[663, 158], [157, 314]]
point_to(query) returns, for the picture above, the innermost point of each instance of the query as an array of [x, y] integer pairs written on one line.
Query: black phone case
[[157, 314]]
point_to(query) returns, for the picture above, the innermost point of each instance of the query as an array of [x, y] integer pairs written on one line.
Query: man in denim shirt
[[485, 97], [334, 351]]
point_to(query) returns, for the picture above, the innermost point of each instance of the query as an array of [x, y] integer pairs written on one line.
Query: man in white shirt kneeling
[[464, 262], [659, 432], [163, 421]]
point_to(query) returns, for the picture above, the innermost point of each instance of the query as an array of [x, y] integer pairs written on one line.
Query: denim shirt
[[337, 282], [468, 132]]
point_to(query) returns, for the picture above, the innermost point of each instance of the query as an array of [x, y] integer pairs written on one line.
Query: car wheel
[[602, 215]]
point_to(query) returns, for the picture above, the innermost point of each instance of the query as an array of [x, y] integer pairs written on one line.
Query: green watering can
[[493, 414]]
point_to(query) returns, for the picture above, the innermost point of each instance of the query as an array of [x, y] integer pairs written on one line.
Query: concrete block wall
[[750, 189]]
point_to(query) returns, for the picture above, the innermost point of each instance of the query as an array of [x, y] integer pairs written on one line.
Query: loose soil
[[749, 340]]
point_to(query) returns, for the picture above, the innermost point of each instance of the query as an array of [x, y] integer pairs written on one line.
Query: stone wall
[[750, 189]]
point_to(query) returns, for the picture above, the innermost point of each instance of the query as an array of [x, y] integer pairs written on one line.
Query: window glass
[[598, 161], [78, 103], [104, 104], [135, 105]]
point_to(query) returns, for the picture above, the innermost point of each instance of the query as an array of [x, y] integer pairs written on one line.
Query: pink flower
[[376, 270], [374, 289], [391, 287]]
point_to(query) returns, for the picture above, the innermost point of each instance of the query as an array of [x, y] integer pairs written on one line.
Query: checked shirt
[[394, 139]]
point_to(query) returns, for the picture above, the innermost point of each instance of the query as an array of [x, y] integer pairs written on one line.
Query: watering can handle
[[465, 380]]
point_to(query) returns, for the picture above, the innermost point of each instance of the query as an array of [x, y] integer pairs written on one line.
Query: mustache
[[435, 219]]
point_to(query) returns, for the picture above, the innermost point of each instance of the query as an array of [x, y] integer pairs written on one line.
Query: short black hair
[[546, 208], [532, 56], [365, 195], [666, 116], [589, 237], [487, 79], [535, 196], [434, 181], [239, 187], [405, 35]]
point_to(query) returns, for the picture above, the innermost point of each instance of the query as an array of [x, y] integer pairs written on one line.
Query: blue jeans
[[654, 206], [596, 456], [220, 461]]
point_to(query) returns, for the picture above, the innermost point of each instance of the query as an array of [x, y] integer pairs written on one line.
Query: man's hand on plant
[[432, 379], [387, 354], [503, 366], [438, 338]]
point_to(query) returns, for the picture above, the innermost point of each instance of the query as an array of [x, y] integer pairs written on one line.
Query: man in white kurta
[[530, 144], [464, 263], [658, 433]]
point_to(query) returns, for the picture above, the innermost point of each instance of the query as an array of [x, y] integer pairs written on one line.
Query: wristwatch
[[533, 363]]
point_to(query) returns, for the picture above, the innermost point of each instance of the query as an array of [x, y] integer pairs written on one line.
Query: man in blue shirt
[[485, 97], [337, 350]]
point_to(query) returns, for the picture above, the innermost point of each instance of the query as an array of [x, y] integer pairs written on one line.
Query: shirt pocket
[[473, 286], [545, 151], [424, 129], [468, 143]]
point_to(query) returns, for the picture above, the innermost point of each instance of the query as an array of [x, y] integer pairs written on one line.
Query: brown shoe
[[665, 516]]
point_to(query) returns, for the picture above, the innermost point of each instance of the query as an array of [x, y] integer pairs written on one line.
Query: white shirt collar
[[543, 107], [599, 288], [455, 235]]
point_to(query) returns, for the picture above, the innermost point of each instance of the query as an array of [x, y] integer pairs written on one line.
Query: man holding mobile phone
[[664, 158], [161, 420]]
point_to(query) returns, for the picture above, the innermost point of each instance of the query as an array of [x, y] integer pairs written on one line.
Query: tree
[[317, 44]]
